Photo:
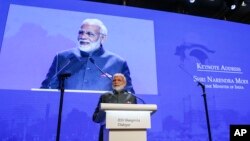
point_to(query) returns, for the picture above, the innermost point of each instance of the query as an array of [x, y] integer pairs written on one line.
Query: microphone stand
[[206, 109], [62, 77], [205, 101]]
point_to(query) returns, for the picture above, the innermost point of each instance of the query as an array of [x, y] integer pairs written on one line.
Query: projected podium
[[127, 122]]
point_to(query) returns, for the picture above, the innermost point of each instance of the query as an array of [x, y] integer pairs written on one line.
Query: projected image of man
[[90, 66]]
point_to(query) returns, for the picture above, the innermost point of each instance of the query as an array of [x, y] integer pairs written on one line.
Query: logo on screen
[[198, 51]]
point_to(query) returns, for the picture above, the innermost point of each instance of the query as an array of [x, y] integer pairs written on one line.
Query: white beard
[[119, 88], [91, 47]]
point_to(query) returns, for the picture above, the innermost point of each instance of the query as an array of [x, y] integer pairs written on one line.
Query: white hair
[[97, 22], [121, 75]]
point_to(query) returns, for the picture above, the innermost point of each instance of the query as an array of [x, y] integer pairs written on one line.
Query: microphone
[[107, 75], [202, 86], [190, 75], [143, 102], [57, 74], [63, 72], [73, 64], [112, 95]]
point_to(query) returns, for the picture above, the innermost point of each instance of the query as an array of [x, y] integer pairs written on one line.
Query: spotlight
[[191, 1], [243, 3], [233, 4], [247, 2]]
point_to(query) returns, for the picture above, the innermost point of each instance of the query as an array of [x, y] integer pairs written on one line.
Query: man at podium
[[118, 95]]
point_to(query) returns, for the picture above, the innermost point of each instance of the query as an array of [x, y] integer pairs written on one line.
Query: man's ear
[[103, 38]]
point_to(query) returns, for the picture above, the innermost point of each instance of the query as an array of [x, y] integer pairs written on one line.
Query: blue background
[[181, 42]]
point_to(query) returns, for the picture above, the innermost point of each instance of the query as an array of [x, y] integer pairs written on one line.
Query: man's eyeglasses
[[88, 33]]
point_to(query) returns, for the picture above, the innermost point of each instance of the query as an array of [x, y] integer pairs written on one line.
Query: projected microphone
[[107, 75], [57, 74], [62, 73]]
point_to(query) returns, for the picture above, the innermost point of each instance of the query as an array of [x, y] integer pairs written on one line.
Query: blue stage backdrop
[[167, 54]]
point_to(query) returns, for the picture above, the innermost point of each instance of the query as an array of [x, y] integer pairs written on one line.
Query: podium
[[127, 122]]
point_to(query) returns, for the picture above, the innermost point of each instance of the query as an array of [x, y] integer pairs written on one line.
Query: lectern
[[127, 122]]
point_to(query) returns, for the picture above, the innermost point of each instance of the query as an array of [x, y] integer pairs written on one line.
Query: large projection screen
[[32, 38], [167, 53]]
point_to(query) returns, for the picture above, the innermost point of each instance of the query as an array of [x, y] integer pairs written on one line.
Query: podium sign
[[127, 122]]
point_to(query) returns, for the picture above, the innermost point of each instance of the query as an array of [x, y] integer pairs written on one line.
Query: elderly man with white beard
[[90, 66], [118, 95]]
